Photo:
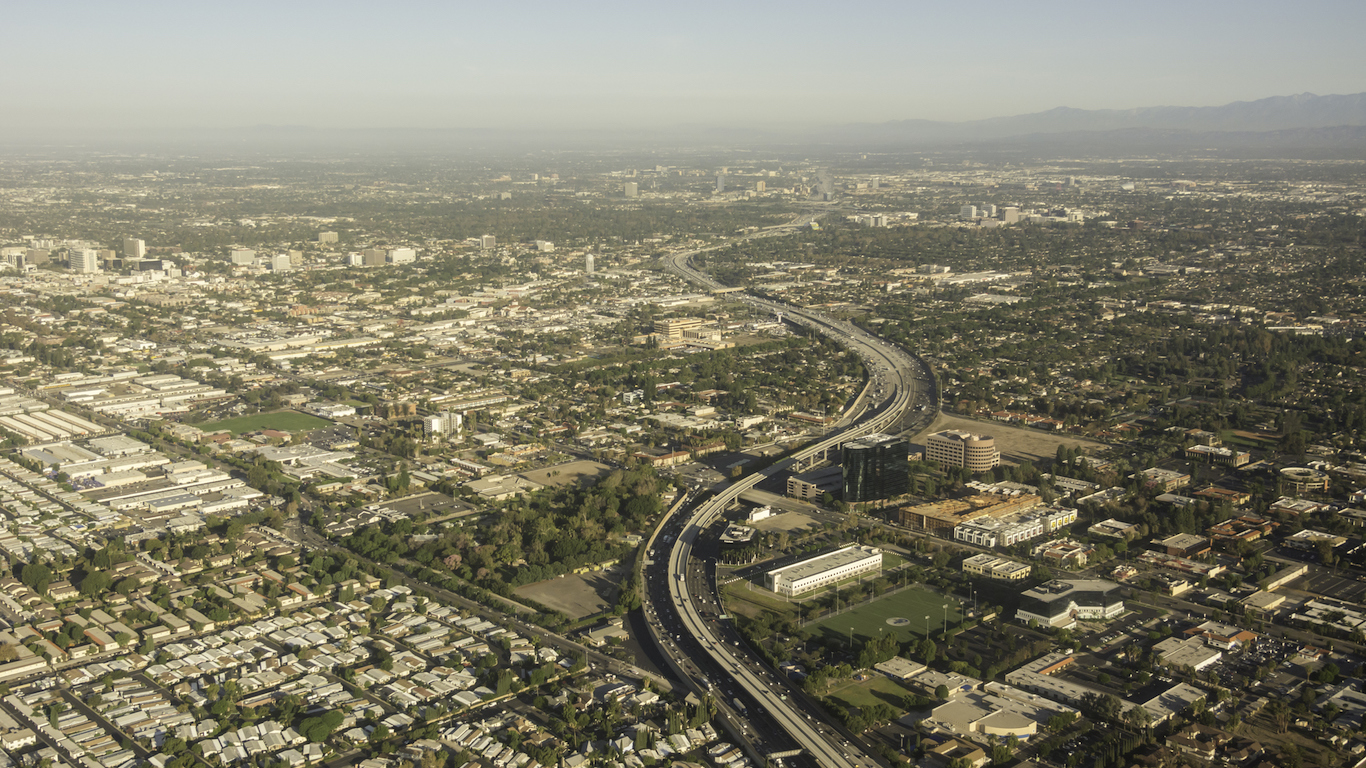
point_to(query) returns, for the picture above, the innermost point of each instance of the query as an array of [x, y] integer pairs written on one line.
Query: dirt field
[[1016, 444], [582, 472], [577, 595]]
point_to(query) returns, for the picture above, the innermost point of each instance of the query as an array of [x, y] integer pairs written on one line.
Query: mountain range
[[1279, 120]]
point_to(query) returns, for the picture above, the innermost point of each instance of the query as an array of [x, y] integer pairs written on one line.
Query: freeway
[[891, 391]]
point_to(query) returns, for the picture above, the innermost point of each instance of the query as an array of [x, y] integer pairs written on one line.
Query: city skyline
[[153, 66]]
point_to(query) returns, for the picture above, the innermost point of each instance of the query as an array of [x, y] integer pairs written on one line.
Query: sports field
[[289, 421], [902, 613]]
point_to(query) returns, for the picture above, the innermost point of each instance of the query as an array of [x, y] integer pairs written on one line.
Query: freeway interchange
[[680, 598]]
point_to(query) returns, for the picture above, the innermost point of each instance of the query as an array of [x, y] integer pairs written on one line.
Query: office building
[[1010, 215], [967, 212], [375, 257], [823, 570], [760, 186], [328, 237], [875, 468], [955, 448], [488, 241], [720, 182], [134, 248], [83, 260], [588, 264], [242, 257], [402, 256], [630, 189], [442, 424], [281, 263], [545, 246], [994, 567], [676, 327], [1060, 603]]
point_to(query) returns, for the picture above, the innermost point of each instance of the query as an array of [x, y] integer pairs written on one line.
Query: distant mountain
[[1275, 114]]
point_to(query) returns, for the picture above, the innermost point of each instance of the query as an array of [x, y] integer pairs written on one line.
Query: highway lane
[[892, 373]]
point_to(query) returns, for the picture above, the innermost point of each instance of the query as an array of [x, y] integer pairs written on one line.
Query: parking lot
[[1339, 587]]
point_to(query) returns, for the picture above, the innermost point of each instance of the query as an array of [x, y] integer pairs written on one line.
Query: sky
[[580, 64]]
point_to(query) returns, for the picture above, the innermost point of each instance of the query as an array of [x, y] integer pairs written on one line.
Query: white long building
[[823, 570]]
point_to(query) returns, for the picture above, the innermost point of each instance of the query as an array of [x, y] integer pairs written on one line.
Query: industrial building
[[821, 570]]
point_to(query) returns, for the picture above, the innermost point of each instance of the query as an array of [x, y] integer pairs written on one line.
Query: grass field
[[739, 598], [870, 619], [289, 421], [878, 689]]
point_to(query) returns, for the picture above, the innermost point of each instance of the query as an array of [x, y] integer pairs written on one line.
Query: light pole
[[927, 627], [946, 622]]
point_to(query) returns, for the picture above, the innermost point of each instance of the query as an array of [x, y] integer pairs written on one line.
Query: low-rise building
[[823, 570], [1061, 603], [994, 567]]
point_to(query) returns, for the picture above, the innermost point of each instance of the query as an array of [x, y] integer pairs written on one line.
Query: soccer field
[[906, 609]]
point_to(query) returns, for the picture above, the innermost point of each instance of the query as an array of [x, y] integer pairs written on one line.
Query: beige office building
[[955, 448]]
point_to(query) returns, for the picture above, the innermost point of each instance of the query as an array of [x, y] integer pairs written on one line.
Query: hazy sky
[[128, 65]]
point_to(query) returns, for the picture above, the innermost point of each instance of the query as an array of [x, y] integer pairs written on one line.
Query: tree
[[942, 692], [95, 583]]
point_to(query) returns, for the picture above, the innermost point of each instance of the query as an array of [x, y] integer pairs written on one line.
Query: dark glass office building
[[875, 468]]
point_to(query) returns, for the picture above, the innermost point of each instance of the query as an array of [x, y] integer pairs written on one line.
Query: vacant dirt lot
[[577, 595], [581, 472], [1016, 444]]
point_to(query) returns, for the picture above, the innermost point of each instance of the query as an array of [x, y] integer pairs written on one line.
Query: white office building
[[134, 248], [242, 256], [83, 260], [281, 262], [402, 256], [823, 570], [441, 425]]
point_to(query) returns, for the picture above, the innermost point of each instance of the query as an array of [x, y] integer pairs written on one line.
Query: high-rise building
[[630, 189], [442, 424], [760, 186], [402, 256], [956, 448], [281, 262], [83, 260], [1010, 214], [545, 246], [134, 248], [588, 264], [875, 468], [967, 212], [328, 237], [720, 182], [488, 241], [242, 256], [375, 257]]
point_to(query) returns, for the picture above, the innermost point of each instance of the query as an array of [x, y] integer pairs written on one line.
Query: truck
[[739, 706]]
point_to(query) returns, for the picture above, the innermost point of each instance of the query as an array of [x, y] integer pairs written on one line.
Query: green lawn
[[289, 421], [739, 598], [870, 619], [878, 689]]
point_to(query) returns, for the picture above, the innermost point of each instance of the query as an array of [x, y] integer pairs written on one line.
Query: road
[[892, 390]]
